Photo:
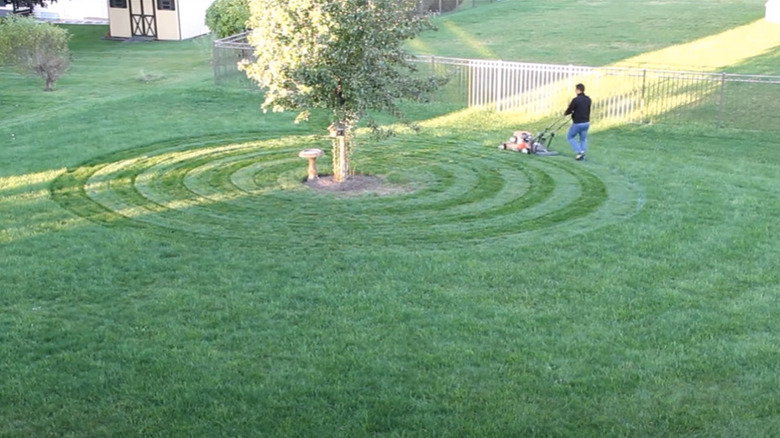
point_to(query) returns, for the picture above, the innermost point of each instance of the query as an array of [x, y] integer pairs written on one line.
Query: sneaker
[[580, 156]]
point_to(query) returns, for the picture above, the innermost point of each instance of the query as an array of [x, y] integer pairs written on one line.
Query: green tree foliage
[[342, 55], [227, 17], [38, 49]]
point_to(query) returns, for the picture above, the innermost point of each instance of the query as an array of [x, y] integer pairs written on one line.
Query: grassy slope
[[580, 32], [660, 325]]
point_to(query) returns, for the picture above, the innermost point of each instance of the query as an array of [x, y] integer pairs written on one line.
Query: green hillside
[[580, 32]]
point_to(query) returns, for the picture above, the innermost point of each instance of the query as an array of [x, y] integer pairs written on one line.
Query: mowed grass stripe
[[67, 186], [254, 191], [159, 168]]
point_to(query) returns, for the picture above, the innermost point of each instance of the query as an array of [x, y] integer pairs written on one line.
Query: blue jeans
[[580, 129]]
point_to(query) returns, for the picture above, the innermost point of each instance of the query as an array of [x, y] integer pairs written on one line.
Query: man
[[579, 108]]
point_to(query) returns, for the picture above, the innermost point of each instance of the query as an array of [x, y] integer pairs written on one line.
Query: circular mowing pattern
[[250, 187]]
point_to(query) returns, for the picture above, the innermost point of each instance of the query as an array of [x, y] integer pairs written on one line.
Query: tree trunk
[[340, 159], [340, 133]]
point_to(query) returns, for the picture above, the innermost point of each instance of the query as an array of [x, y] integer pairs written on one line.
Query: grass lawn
[[163, 273], [581, 32]]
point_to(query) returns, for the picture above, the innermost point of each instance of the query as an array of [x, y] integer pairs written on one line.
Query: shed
[[158, 19], [773, 11]]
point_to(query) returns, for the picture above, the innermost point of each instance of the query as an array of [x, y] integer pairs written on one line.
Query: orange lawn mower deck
[[526, 143]]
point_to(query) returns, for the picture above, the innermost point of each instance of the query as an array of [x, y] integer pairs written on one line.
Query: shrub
[[227, 17], [39, 49]]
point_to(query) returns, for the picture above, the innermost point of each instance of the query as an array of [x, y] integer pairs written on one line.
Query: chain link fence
[[226, 54], [444, 6]]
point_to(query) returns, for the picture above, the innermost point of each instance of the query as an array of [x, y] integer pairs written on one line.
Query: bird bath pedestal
[[311, 155]]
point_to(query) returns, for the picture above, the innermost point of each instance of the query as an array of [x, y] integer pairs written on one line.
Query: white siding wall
[[168, 24], [192, 17], [773, 11], [74, 10], [119, 24]]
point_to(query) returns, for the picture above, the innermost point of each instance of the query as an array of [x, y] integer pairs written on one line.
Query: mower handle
[[558, 123]]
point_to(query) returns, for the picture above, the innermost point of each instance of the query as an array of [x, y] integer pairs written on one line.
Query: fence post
[[642, 110], [721, 99], [215, 62], [499, 83]]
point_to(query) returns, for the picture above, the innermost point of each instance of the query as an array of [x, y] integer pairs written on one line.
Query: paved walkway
[[96, 21]]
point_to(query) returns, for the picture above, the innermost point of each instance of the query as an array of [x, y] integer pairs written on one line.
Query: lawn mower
[[525, 142]]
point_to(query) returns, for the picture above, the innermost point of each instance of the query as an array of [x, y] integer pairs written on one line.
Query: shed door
[[142, 18]]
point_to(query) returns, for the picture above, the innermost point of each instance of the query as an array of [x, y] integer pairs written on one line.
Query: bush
[[227, 17], [39, 49]]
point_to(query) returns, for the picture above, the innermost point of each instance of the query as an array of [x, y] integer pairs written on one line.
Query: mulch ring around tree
[[357, 185]]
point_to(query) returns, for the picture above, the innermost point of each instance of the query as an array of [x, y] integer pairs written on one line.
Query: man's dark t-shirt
[[579, 108]]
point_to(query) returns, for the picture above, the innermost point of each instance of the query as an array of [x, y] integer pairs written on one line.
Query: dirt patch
[[357, 185]]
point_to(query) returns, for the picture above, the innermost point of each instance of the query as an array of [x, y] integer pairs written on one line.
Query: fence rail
[[620, 95]]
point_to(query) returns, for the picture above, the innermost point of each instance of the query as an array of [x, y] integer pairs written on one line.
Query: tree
[[39, 49], [227, 17], [342, 55]]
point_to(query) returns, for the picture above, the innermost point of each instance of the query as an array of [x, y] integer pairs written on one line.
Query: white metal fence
[[620, 95]]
